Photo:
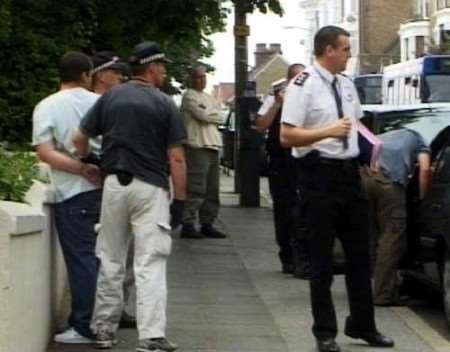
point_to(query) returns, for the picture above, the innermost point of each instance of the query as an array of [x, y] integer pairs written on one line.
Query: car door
[[435, 208]]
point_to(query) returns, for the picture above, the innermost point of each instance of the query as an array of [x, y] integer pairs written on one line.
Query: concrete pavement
[[230, 296]]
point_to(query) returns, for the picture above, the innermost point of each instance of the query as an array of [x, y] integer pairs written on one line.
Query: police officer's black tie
[[338, 100]]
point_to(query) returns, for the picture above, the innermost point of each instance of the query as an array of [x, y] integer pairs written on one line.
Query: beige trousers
[[140, 209], [388, 209]]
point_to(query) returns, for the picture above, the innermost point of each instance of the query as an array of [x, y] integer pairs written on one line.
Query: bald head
[[198, 78], [294, 70]]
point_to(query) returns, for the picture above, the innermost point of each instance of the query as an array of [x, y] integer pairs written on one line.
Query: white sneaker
[[71, 336]]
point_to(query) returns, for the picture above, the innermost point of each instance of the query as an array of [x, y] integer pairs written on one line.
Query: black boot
[[373, 338], [189, 231], [209, 231], [287, 268]]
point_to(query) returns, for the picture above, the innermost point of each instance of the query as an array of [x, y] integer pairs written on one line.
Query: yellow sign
[[241, 31]]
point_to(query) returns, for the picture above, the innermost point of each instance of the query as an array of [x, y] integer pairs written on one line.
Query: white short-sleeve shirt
[[269, 100], [309, 103], [55, 120]]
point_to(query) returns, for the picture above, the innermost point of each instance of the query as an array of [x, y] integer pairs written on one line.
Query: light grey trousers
[[140, 209]]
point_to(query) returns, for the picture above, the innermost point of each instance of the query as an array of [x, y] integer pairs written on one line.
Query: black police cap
[[147, 52], [107, 60]]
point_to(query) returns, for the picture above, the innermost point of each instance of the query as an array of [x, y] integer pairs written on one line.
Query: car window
[[428, 124], [229, 122]]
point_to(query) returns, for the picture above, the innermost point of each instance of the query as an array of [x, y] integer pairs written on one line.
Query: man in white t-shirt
[[78, 197]]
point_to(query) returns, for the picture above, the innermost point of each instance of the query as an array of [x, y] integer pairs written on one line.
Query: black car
[[228, 131], [427, 258]]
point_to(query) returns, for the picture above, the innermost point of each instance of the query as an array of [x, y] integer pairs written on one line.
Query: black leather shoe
[[327, 345], [209, 231], [189, 231], [287, 268], [302, 271], [374, 339]]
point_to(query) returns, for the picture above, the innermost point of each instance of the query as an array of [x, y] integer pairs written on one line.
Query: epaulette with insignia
[[301, 78]]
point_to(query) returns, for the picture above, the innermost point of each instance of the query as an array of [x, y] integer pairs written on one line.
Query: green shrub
[[17, 171]]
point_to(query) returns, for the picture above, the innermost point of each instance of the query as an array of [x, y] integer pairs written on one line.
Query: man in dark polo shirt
[[142, 142]]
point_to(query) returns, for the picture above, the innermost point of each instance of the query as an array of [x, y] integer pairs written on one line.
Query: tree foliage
[[34, 34]]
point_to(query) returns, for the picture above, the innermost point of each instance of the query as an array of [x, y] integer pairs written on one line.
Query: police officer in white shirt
[[282, 184], [319, 120]]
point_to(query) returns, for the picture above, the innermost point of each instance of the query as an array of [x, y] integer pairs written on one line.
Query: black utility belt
[[339, 162], [124, 177], [314, 158]]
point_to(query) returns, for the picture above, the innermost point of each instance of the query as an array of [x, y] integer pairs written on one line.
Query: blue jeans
[[75, 219]]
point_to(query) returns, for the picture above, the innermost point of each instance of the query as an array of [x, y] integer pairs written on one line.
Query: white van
[[423, 80]]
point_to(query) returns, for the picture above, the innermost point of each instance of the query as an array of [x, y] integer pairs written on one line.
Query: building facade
[[372, 24], [427, 31], [270, 66]]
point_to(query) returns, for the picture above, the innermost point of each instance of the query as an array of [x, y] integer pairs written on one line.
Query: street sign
[[241, 31]]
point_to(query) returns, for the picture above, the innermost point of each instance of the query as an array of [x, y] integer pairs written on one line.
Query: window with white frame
[[406, 47], [442, 4], [423, 8], [354, 6], [420, 46]]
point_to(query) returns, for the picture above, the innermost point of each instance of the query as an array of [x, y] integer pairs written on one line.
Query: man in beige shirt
[[201, 118]]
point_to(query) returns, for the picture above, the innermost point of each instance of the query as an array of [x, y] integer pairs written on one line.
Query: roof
[[255, 72]]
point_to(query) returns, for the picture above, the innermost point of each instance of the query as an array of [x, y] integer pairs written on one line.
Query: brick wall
[[380, 22]]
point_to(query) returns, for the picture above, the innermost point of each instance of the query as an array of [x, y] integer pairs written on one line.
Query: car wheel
[[446, 284]]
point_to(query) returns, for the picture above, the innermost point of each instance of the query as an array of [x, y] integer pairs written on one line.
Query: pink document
[[370, 146]]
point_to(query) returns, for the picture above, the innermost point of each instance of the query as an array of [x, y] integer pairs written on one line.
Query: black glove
[[176, 213]]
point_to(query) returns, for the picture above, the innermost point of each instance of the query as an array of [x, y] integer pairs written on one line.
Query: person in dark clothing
[[282, 183], [142, 145]]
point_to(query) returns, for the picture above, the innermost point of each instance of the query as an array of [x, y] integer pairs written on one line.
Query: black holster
[[124, 177]]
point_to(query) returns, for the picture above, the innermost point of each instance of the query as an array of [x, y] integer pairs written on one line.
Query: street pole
[[241, 31]]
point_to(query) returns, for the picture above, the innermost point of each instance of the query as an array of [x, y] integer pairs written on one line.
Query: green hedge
[[17, 172]]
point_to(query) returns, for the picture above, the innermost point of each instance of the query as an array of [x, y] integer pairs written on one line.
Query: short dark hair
[[325, 36], [291, 69], [72, 65]]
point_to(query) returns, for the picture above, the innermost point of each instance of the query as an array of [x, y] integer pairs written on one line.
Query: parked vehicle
[[227, 156], [369, 88], [228, 133], [423, 80], [427, 258]]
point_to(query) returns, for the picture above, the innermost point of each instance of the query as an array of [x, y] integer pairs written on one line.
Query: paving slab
[[228, 295]]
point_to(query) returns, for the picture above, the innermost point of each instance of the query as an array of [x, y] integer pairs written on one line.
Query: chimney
[[275, 48], [264, 52], [260, 54]]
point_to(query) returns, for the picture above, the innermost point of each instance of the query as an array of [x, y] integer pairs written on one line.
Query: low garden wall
[[33, 289]]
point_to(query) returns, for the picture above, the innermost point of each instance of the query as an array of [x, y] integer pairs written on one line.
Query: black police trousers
[[282, 185], [335, 205]]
